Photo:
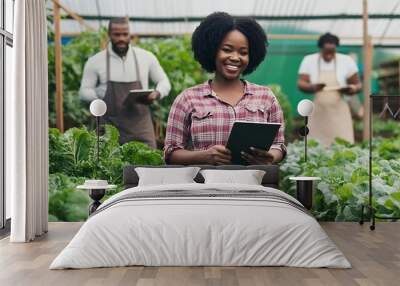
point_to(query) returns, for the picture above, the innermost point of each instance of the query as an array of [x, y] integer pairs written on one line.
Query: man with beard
[[113, 72]]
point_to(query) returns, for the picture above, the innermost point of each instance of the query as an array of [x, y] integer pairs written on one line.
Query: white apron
[[331, 117]]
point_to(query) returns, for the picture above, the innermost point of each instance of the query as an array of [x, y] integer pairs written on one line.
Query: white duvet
[[200, 231]]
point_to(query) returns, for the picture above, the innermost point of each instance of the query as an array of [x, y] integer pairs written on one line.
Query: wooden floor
[[375, 257]]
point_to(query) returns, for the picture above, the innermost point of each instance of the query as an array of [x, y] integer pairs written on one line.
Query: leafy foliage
[[66, 203], [344, 174], [339, 195], [73, 159], [383, 127], [74, 56], [74, 154], [286, 108]]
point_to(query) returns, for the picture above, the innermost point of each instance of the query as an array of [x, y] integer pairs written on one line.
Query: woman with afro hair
[[202, 116]]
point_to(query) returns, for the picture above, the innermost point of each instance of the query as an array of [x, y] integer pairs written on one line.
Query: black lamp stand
[[98, 138], [304, 132], [370, 208], [96, 194], [304, 186]]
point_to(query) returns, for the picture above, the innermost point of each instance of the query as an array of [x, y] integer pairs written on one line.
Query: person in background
[[113, 72], [202, 116], [329, 75]]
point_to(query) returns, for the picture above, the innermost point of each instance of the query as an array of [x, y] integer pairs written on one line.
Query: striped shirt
[[198, 119]]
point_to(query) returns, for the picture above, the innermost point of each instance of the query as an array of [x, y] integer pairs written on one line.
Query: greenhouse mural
[[342, 166]]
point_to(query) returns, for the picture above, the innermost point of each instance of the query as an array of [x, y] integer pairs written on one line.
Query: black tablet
[[246, 134]]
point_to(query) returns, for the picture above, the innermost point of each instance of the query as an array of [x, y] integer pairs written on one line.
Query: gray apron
[[133, 120]]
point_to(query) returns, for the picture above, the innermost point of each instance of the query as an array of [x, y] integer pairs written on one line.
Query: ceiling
[[301, 17]]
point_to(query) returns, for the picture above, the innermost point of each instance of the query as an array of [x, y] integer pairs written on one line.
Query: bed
[[197, 224]]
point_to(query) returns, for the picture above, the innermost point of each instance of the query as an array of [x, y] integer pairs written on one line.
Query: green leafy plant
[[72, 159], [74, 154], [286, 108], [74, 56], [66, 203], [381, 127], [343, 170]]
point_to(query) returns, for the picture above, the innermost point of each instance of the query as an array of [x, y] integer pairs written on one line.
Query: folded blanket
[[204, 194]]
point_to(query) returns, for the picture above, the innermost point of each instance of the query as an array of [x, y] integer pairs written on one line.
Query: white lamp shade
[[98, 107], [305, 107]]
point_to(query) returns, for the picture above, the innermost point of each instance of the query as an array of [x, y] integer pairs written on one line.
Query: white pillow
[[166, 176], [249, 177]]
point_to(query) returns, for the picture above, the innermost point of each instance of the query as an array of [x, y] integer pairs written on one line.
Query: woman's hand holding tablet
[[249, 142]]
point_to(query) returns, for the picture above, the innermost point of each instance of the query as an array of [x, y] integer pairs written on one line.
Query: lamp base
[[96, 195], [305, 189], [304, 193]]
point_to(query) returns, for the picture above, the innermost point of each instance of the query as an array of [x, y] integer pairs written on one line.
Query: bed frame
[[270, 179]]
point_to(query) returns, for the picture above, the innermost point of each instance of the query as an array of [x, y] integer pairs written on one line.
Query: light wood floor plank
[[375, 257]]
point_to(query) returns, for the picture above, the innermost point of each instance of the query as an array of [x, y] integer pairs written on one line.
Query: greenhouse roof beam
[[257, 17], [271, 36], [72, 15]]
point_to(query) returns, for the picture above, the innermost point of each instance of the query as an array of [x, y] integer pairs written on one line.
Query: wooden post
[[57, 6], [58, 68], [367, 49]]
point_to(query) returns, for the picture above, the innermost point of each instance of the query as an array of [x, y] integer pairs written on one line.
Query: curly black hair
[[328, 38], [208, 36]]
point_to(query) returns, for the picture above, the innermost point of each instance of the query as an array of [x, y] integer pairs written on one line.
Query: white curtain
[[27, 124]]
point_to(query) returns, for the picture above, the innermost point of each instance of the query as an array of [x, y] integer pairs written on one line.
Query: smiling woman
[[201, 117]]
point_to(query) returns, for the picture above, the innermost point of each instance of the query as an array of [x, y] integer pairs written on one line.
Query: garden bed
[[338, 197]]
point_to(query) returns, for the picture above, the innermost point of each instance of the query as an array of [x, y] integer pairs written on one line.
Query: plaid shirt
[[198, 119]]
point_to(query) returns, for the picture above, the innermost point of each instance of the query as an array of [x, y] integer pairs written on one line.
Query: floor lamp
[[305, 109], [304, 189], [96, 188], [370, 208]]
